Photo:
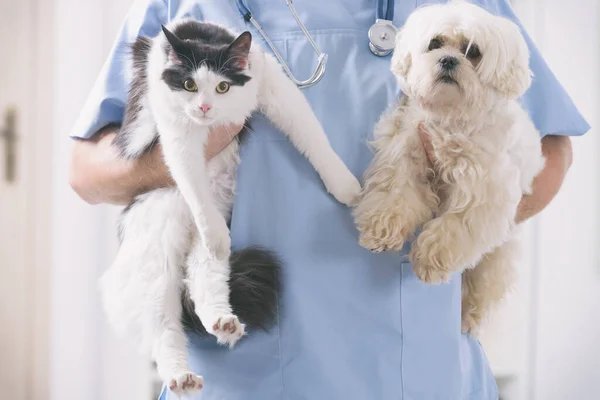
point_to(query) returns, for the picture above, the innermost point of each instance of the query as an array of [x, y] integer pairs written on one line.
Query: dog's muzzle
[[448, 63]]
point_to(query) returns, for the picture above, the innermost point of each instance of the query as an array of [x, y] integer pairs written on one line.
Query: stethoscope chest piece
[[382, 37]]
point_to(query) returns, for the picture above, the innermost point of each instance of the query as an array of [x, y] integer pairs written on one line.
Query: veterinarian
[[353, 325]]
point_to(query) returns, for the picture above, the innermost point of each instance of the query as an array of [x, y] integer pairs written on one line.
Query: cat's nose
[[205, 108]]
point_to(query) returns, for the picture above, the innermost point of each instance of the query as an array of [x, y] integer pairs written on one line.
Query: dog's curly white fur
[[461, 70]]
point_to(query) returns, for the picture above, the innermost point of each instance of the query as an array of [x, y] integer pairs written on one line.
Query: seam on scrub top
[[277, 295], [470, 395], [287, 34], [280, 352], [401, 335]]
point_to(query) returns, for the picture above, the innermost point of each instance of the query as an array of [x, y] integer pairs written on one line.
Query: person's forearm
[[98, 175], [559, 156]]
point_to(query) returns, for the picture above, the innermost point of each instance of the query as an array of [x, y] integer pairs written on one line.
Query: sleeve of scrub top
[[106, 102], [547, 102]]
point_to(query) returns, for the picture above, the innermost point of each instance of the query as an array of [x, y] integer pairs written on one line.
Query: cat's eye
[[190, 85], [223, 87], [435, 43]]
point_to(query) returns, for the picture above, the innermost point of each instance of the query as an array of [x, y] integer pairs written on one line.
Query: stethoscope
[[382, 36]]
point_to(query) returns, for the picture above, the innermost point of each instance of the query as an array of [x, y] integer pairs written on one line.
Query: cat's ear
[[239, 50], [173, 40], [176, 45]]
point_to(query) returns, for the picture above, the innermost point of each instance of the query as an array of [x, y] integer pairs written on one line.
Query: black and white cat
[[175, 242]]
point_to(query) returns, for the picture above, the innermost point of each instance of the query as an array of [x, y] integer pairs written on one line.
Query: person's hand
[[99, 175], [426, 141], [219, 138], [559, 155]]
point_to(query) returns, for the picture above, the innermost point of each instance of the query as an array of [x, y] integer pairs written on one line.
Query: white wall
[[566, 357], [87, 362]]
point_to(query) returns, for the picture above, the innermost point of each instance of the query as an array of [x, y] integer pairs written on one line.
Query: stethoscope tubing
[[319, 72]]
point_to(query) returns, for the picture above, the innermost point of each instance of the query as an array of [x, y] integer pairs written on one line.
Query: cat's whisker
[[194, 55], [191, 63], [220, 57]]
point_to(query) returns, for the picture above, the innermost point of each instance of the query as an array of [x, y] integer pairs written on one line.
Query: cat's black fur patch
[[199, 43], [254, 284], [138, 89], [204, 32]]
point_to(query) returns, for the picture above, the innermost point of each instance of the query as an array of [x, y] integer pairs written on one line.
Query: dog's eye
[[435, 43], [474, 53]]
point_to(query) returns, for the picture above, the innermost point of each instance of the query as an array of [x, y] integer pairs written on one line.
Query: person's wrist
[[523, 210]]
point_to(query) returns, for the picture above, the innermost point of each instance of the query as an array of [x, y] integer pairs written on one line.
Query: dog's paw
[[379, 244], [472, 312], [470, 324], [430, 274], [436, 254], [429, 263], [227, 329], [186, 383], [382, 233]]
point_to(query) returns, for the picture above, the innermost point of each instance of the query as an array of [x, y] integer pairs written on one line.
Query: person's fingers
[[219, 137], [226, 132], [426, 141]]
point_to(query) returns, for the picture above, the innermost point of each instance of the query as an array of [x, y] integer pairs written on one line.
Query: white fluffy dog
[[461, 70]]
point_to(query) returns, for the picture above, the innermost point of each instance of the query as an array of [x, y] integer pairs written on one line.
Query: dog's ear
[[506, 62], [401, 58]]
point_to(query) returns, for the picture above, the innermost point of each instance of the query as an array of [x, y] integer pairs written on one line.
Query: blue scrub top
[[352, 325]]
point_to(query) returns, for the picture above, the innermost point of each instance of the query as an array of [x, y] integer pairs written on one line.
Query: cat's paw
[[470, 324], [227, 329], [345, 188], [186, 383], [217, 239]]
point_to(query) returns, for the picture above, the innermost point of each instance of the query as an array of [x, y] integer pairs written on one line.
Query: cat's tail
[[254, 290]]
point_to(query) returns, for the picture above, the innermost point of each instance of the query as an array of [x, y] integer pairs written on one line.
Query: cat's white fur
[[170, 228], [488, 152]]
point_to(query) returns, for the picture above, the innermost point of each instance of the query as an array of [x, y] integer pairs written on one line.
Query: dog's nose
[[448, 63]]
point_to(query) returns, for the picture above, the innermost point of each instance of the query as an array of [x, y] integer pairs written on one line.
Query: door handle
[[9, 134]]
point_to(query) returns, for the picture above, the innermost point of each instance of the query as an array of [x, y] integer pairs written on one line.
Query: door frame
[[39, 189]]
